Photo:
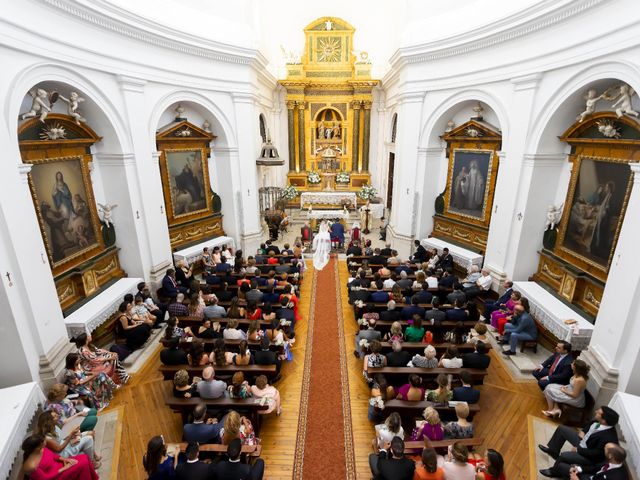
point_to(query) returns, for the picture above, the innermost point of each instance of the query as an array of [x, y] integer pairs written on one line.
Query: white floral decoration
[[290, 192], [343, 177], [367, 192], [314, 177]]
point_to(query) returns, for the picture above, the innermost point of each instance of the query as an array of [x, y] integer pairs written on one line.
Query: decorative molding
[[411, 97], [515, 26], [635, 169], [131, 84], [526, 82], [543, 159], [155, 157], [143, 30], [115, 159], [24, 169], [245, 97]]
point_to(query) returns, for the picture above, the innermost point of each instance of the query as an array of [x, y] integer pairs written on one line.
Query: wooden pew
[[415, 409], [215, 449], [400, 375], [196, 322], [250, 371], [417, 348], [248, 406], [417, 447], [231, 345]]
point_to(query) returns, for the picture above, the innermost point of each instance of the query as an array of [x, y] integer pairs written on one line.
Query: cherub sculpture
[[590, 104], [553, 217], [38, 105], [73, 102], [623, 105], [106, 211]]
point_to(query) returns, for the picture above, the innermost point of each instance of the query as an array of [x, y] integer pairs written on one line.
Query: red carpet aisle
[[324, 445]]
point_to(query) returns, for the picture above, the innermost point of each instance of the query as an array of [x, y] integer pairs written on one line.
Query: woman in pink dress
[[40, 463], [499, 317]]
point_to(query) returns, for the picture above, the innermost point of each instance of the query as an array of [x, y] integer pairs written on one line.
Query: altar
[[328, 198]]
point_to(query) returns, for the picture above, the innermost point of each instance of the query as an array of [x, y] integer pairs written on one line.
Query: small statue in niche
[[206, 126], [554, 214], [38, 105], [73, 102], [107, 215], [591, 98], [336, 130], [450, 125], [321, 130], [623, 105], [180, 113]]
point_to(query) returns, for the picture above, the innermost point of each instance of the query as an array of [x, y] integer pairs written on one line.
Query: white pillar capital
[[635, 170], [23, 170]]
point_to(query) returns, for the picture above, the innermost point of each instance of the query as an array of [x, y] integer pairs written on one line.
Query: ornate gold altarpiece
[[329, 108]]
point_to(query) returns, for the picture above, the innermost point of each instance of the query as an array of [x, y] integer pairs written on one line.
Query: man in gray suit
[[369, 334], [523, 329]]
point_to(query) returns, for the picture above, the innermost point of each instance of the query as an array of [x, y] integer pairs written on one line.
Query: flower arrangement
[[359, 304], [367, 192], [314, 177], [364, 343], [377, 402], [290, 192], [343, 177], [362, 321]]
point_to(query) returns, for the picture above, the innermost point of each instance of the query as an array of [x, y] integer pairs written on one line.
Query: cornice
[[109, 17], [526, 22]]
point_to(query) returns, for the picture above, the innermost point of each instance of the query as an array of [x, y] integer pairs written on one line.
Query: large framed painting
[[469, 182], [595, 207], [189, 192], [65, 208]]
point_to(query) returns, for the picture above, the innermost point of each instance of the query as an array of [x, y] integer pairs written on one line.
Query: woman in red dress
[[291, 297], [40, 463]]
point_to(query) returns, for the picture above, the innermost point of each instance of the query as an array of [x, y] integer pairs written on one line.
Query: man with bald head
[[481, 283], [209, 387]]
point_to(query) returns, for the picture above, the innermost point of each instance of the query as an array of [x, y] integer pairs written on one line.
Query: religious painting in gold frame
[[594, 210], [470, 185], [187, 180]]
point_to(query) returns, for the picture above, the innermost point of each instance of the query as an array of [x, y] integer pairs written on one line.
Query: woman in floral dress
[[98, 360], [97, 388]]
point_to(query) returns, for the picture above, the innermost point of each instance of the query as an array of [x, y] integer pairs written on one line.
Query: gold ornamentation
[[110, 266], [548, 271], [591, 298], [66, 293], [329, 49]]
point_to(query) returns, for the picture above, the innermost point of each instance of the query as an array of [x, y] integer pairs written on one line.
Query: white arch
[[188, 96], [426, 135], [50, 72], [626, 72]]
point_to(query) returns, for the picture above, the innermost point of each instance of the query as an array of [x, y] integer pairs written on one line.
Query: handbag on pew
[[428, 338]]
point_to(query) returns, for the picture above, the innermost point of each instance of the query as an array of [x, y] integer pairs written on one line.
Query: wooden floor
[[502, 420]]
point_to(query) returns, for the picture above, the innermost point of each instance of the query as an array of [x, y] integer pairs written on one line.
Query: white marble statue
[[553, 217], [38, 105], [591, 98], [623, 105], [206, 126], [106, 211], [73, 102]]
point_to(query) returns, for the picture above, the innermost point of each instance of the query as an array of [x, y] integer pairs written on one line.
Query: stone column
[[292, 140], [367, 129], [432, 164], [614, 352], [355, 156], [301, 137]]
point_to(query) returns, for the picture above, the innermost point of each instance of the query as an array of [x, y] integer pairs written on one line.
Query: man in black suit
[[613, 468], [200, 430], [556, 368], [386, 251], [409, 311], [170, 287], [466, 393], [457, 313], [354, 249], [391, 314], [588, 443], [377, 258], [457, 294], [272, 248], [265, 356], [233, 469], [477, 359], [405, 283], [194, 469], [448, 279], [446, 260], [390, 463], [490, 307], [223, 266], [420, 255], [397, 357], [406, 267], [173, 354], [435, 316]]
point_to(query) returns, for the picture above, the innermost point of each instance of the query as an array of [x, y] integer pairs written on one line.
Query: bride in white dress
[[322, 246]]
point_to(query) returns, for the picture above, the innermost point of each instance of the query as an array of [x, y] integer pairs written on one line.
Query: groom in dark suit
[[337, 233], [556, 368], [490, 307]]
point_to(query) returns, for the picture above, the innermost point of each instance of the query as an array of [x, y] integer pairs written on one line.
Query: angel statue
[[73, 102], [590, 104], [106, 210], [38, 105], [553, 217], [623, 105]]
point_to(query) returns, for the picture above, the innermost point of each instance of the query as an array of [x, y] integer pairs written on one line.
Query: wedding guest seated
[[481, 284], [209, 387], [556, 368], [421, 254], [572, 394], [430, 427], [428, 468], [381, 391], [395, 333], [40, 463], [95, 388], [262, 389], [354, 249], [193, 468], [208, 330], [456, 465], [457, 313], [524, 329], [589, 443], [379, 296], [203, 429], [435, 316], [386, 251], [409, 311], [461, 428], [377, 258], [390, 463], [473, 274], [181, 386], [232, 332], [406, 267], [414, 332], [451, 358], [500, 316], [478, 333], [391, 314], [272, 248], [197, 357], [233, 468], [490, 307], [243, 356], [457, 335], [140, 309], [218, 356], [412, 391], [432, 279], [443, 393], [397, 357], [135, 330], [173, 354], [612, 468], [424, 296], [159, 464], [173, 330], [447, 280], [392, 427], [489, 467], [70, 410], [196, 305], [177, 308], [271, 297], [223, 266], [238, 427], [388, 283], [477, 359], [457, 294], [466, 393], [428, 361], [374, 359], [255, 294], [214, 310]]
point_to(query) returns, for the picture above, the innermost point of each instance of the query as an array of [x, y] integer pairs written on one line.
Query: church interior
[[360, 240]]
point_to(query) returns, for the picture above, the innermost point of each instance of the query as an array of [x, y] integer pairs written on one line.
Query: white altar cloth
[[331, 198], [463, 257], [552, 313], [628, 407], [18, 406], [319, 214], [194, 253], [97, 310]]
